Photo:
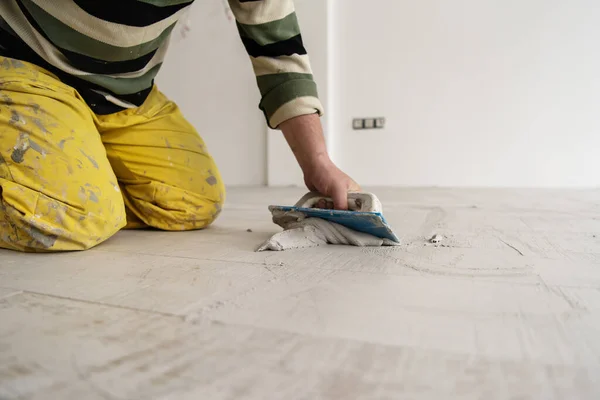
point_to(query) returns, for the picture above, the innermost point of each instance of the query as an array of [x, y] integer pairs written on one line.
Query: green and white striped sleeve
[[269, 30]]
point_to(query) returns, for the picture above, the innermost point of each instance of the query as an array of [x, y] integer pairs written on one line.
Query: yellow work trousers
[[70, 179]]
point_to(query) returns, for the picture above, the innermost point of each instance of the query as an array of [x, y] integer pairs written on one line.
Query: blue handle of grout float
[[372, 223]]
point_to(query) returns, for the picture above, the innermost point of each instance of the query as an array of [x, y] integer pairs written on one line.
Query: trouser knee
[[170, 208], [52, 225]]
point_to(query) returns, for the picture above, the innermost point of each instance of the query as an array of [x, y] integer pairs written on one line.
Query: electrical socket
[[368, 123]]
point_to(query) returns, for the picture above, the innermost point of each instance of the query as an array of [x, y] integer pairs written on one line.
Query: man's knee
[[171, 208], [53, 225]]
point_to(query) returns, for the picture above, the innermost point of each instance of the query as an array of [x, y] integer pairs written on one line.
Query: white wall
[[476, 92], [209, 75]]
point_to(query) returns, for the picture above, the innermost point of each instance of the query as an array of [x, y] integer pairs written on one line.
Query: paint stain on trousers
[[70, 179]]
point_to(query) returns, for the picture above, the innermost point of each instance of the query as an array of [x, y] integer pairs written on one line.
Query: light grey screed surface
[[507, 306]]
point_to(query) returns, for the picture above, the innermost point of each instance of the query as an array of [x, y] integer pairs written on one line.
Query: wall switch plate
[[369, 123], [379, 123]]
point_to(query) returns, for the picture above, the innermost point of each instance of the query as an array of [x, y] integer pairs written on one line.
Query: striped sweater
[[111, 50]]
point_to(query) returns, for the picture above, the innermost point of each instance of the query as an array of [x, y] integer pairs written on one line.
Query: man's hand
[[304, 134], [329, 180]]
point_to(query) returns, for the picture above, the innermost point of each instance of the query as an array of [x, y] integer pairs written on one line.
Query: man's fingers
[[340, 198]]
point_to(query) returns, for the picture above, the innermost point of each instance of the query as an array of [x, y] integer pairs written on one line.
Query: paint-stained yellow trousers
[[70, 179]]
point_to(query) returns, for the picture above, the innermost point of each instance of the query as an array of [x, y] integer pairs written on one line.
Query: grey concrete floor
[[507, 306]]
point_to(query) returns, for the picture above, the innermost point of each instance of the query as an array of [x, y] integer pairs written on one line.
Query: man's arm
[[270, 33], [304, 134]]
